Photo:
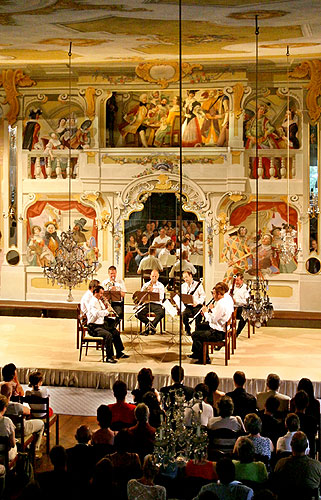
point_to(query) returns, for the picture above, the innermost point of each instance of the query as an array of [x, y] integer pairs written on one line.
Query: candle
[[161, 434], [198, 431]]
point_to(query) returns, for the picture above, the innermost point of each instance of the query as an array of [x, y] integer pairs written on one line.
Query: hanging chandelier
[[313, 210], [259, 308], [71, 265]]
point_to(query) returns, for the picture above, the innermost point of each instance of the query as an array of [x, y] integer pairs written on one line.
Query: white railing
[[53, 165], [271, 164]]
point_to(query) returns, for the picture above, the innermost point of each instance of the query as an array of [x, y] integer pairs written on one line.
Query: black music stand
[[144, 297], [112, 296], [115, 296]]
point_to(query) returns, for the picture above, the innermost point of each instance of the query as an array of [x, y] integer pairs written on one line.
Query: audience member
[[156, 414], [271, 426], [102, 480], [35, 381], [201, 411], [246, 469], [272, 386], [142, 435], [313, 407], [227, 487], [145, 379], [225, 419], [10, 376], [145, 487], [244, 402], [150, 262], [263, 446], [308, 424], [142, 250], [122, 412], [7, 428], [185, 265], [292, 424], [160, 240], [56, 483], [203, 469], [81, 461], [212, 381], [177, 374], [104, 435]]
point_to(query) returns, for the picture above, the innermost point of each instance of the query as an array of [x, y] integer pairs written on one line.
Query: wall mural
[[45, 222], [239, 250]]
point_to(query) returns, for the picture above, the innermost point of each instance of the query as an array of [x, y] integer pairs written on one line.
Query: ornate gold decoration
[[222, 221], [236, 197], [11, 79], [262, 14], [164, 73], [163, 182], [238, 90], [90, 102], [311, 69], [236, 158]]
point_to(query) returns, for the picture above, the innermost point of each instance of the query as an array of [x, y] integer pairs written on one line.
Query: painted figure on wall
[[215, 123], [51, 237], [38, 254], [32, 130], [79, 230], [111, 112], [191, 131], [236, 253], [288, 131], [168, 125], [134, 122], [80, 138]]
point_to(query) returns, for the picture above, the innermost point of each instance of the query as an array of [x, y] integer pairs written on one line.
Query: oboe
[[199, 312]]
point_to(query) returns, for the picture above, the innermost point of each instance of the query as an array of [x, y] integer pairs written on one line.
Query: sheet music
[[177, 302]]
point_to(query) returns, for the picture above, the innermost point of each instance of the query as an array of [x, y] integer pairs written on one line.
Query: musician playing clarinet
[[99, 325], [194, 288], [239, 295], [152, 307], [114, 284], [216, 316]]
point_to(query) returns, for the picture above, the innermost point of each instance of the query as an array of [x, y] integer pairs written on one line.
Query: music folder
[[145, 296], [112, 296]]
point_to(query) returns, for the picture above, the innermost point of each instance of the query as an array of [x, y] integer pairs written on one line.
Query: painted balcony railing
[[271, 164], [53, 165]]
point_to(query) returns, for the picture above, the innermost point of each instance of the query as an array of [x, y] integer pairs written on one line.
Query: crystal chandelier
[[313, 210], [175, 443], [71, 265]]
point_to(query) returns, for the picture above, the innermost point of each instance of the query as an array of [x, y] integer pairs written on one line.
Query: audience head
[[102, 475], [212, 381], [35, 378], [6, 390], [120, 390], [177, 374], [83, 434], [145, 378], [225, 406], [150, 469], [203, 389], [104, 416], [121, 441], [292, 422], [142, 413], [301, 400], [253, 424], [93, 284], [273, 381], [272, 404], [150, 399], [245, 450], [152, 251], [239, 378], [299, 443], [306, 385], [58, 457], [184, 255], [169, 245], [8, 372], [3, 402], [225, 470]]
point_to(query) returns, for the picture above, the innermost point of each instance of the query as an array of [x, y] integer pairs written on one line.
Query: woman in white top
[[202, 411], [7, 428], [35, 381], [144, 488], [226, 420]]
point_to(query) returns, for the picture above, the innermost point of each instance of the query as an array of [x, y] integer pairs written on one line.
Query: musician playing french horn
[[99, 325], [194, 288], [156, 308], [114, 284]]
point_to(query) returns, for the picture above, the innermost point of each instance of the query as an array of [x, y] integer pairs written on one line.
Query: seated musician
[[86, 298], [114, 284], [194, 288], [186, 265], [150, 262], [240, 295], [99, 325], [152, 307], [217, 315]]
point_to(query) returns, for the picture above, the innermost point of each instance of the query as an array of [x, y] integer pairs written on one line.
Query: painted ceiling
[[128, 32]]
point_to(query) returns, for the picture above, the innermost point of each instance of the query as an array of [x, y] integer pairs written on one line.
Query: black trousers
[[118, 308], [157, 309], [200, 336], [242, 321], [189, 313], [111, 336]]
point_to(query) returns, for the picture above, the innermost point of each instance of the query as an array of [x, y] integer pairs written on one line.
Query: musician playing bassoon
[[114, 284], [194, 288]]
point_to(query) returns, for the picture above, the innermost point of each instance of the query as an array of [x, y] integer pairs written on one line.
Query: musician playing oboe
[[194, 288], [114, 284], [155, 307], [239, 295], [216, 316], [99, 325]]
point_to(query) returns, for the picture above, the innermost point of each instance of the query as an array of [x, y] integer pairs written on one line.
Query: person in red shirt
[[122, 412]]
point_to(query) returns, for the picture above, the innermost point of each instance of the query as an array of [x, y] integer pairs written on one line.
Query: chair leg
[[80, 350], [57, 430], [248, 329], [86, 348], [205, 350], [48, 439]]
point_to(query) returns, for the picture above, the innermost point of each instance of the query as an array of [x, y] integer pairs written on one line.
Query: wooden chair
[[249, 324], [86, 339], [233, 342], [49, 421], [25, 443], [226, 343]]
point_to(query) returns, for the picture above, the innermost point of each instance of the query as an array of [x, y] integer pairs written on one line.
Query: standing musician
[[216, 315], [114, 284], [196, 289], [99, 325], [239, 294], [152, 307]]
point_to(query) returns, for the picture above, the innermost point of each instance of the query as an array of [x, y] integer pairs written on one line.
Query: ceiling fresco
[[138, 30]]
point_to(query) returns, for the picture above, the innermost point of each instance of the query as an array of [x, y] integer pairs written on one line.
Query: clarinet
[[199, 312]]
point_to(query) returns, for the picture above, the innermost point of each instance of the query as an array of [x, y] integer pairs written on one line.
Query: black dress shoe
[[192, 356], [111, 360], [122, 355]]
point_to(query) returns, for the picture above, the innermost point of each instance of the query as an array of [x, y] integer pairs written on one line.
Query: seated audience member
[[56, 483], [131, 251], [32, 426], [7, 428], [212, 381], [104, 435], [122, 412], [10, 376], [142, 435], [186, 265], [313, 407], [145, 379], [145, 487], [225, 419], [202, 411], [263, 446], [272, 386], [142, 250], [86, 298], [292, 425], [150, 262], [271, 426], [243, 401], [246, 469], [165, 253], [126, 465], [35, 381], [81, 460], [227, 487], [161, 240], [203, 469], [102, 480], [298, 474], [156, 414], [308, 424], [177, 374]]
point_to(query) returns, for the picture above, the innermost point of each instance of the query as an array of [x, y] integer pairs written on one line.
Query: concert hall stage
[[49, 344]]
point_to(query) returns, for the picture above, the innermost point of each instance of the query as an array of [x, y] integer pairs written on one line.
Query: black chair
[[222, 440], [4, 454]]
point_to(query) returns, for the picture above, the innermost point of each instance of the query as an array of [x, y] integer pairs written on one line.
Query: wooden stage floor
[[50, 344]]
